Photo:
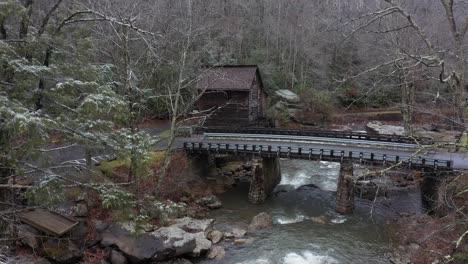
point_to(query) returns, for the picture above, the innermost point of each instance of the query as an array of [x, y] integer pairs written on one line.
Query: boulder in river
[[235, 233], [175, 240], [215, 236], [260, 221], [216, 252], [319, 220], [209, 201], [241, 241], [201, 244]]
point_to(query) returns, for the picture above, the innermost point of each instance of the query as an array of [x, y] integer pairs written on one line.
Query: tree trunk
[[26, 19], [89, 161], [41, 85], [460, 89], [407, 101], [3, 32]]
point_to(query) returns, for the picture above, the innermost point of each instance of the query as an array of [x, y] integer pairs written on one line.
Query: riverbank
[[438, 237]]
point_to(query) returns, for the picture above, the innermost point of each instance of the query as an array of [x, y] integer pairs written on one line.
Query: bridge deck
[[299, 151], [323, 133]]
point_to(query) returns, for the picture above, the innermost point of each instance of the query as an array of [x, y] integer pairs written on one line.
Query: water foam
[[296, 180], [339, 220], [283, 220], [256, 261], [308, 257]]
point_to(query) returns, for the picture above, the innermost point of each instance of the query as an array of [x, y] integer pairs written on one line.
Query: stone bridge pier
[[345, 190], [266, 175], [201, 164]]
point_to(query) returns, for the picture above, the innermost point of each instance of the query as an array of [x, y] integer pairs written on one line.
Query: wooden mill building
[[233, 95]]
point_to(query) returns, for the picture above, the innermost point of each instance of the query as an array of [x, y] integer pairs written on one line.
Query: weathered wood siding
[[229, 108], [257, 99], [254, 104], [234, 93]]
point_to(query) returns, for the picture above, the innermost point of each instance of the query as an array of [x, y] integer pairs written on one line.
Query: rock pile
[[234, 172], [186, 237], [376, 127]]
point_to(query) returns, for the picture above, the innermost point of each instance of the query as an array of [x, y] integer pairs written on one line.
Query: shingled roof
[[227, 77]]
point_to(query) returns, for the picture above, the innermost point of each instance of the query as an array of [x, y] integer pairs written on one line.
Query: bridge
[[335, 146]]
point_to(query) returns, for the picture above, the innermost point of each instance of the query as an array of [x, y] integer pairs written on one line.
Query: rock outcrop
[[288, 103], [62, 251], [193, 225], [174, 240], [186, 236], [288, 96], [141, 248], [117, 258]]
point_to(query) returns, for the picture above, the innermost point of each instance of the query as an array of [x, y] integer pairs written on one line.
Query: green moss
[[108, 167], [464, 142], [165, 135], [73, 193], [461, 256], [55, 251]]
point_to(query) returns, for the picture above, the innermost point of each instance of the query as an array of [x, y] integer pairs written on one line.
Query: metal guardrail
[[317, 154], [322, 133], [287, 138]]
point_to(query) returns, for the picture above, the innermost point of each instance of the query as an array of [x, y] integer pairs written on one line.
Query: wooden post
[[345, 190]]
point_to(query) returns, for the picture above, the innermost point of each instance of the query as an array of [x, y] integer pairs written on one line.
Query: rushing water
[[294, 237]]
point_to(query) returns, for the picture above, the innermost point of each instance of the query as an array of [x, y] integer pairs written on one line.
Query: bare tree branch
[[46, 19]]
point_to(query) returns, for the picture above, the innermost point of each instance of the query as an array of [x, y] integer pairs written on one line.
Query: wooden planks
[[48, 222]]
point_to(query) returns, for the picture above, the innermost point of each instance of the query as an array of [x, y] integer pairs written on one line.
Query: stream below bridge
[[295, 237]]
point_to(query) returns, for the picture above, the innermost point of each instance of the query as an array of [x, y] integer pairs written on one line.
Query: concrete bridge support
[[345, 190], [266, 175], [431, 195], [200, 165]]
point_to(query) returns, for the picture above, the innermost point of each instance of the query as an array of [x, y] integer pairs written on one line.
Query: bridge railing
[[322, 133], [317, 154]]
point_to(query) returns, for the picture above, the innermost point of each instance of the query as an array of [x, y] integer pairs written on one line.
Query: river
[[294, 237]]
